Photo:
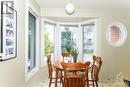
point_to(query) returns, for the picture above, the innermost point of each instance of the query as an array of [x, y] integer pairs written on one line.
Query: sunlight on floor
[[41, 80], [45, 84]]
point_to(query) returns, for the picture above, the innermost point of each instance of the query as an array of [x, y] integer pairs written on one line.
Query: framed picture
[[8, 31]]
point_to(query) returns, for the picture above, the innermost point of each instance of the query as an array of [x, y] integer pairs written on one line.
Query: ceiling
[[86, 4], [69, 19]]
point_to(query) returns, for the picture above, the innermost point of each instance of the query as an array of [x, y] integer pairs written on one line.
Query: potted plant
[[74, 54], [68, 48]]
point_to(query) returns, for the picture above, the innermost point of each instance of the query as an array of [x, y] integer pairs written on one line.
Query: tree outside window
[[67, 40], [48, 44]]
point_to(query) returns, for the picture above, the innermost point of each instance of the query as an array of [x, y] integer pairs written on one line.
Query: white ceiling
[[69, 19], [86, 4]]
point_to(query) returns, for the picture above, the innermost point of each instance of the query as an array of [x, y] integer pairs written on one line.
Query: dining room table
[[59, 68]]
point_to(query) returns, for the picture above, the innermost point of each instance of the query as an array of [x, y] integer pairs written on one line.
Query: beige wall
[[115, 59], [12, 71], [36, 79]]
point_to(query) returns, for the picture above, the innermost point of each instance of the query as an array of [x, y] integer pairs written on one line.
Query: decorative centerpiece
[[71, 53], [74, 54], [68, 48]]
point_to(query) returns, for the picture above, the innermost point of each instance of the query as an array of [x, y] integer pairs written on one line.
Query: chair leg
[[96, 84], [62, 82], [50, 82], [61, 78], [87, 83], [93, 83]]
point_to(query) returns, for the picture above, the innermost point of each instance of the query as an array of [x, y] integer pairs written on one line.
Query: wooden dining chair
[[51, 72], [94, 59], [65, 55], [95, 69], [74, 75]]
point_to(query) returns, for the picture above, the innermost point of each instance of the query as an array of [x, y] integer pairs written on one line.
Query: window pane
[[49, 39], [68, 37], [31, 42], [88, 41], [115, 34]]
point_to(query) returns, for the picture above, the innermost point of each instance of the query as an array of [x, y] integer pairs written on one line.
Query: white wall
[[115, 60], [33, 78], [12, 71], [33, 9]]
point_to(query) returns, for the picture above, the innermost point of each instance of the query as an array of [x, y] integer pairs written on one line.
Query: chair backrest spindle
[[96, 68]]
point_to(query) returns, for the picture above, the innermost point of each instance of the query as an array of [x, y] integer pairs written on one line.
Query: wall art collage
[[8, 30]]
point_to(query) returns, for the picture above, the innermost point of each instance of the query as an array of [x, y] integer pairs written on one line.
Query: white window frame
[[29, 74], [54, 25], [79, 38], [123, 31], [43, 61], [96, 36]]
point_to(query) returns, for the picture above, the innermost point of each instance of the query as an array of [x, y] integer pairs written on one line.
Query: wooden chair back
[[94, 59], [65, 55], [96, 68], [51, 73], [75, 79], [49, 64]]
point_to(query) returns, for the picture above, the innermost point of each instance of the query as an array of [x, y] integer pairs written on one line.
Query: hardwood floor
[[40, 79]]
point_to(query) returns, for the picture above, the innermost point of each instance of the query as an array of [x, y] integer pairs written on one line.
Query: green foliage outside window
[[48, 43], [67, 41]]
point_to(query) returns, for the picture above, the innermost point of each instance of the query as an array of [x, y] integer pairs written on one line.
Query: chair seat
[[90, 78], [54, 75]]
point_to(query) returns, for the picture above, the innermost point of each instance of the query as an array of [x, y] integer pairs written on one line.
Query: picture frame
[[8, 32]]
